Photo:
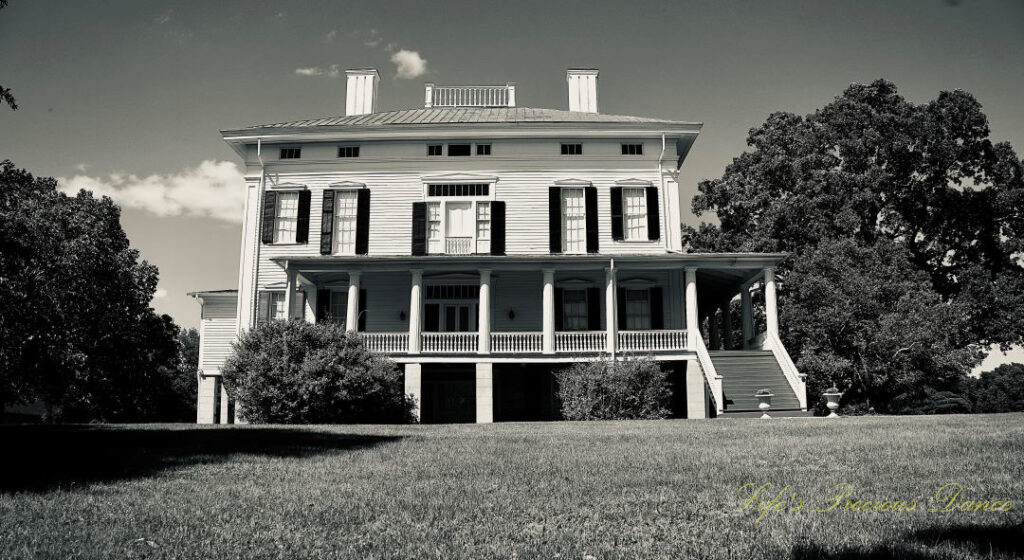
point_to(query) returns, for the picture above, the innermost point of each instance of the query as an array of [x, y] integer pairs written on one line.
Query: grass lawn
[[665, 489]]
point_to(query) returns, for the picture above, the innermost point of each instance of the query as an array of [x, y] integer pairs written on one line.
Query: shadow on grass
[[41, 458], [933, 543]]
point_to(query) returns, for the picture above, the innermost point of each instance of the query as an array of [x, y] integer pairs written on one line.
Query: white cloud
[[82, 167], [408, 64], [330, 35], [159, 293], [373, 40], [213, 189], [331, 71]]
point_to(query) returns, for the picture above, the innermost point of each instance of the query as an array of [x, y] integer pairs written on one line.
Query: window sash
[[346, 209], [638, 309], [574, 310], [275, 306], [286, 217], [574, 221], [634, 205]]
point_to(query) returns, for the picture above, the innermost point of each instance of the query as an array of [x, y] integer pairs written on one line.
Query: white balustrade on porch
[[652, 341], [575, 342], [386, 342], [450, 342], [458, 245], [516, 342]]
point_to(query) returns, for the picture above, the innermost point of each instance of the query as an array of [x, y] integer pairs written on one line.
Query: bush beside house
[[294, 372], [621, 390]]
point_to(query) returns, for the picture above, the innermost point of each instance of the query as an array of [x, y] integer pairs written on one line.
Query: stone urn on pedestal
[[764, 402], [832, 396]]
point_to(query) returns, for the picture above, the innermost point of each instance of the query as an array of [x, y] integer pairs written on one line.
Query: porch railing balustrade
[[575, 342], [651, 341], [531, 342], [516, 342], [387, 342], [449, 342]]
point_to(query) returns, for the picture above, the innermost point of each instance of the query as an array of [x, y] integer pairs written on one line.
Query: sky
[[128, 97]]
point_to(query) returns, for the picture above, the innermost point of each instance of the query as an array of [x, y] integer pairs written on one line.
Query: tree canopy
[[76, 328], [918, 193]]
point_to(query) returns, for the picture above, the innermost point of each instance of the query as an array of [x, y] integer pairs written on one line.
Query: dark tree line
[[76, 328], [906, 226]]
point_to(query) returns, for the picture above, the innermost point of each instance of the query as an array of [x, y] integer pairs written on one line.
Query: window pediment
[[633, 183], [573, 183], [347, 185]]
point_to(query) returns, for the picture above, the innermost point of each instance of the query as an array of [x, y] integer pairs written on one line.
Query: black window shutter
[[363, 222], [555, 219], [653, 216], [362, 310], [327, 224], [269, 209], [302, 223], [323, 305], [419, 228], [559, 310], [593, 309], [617, 214], [620, 300], [590, 194], [498, 227], [657, 309], [431, 317]]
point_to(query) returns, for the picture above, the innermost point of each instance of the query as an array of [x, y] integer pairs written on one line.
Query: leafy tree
[[76, 329], [294, 372], [999, 390], [5, 93], [614, 390], [883, 173]]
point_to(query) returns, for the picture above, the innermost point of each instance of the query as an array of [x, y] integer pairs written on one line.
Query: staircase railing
[[714, 380], [797, 381]]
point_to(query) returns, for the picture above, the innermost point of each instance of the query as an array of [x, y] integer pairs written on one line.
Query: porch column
[[726, 325], [692, 322], [611, 308], [290, 292], [748, 317], [713, 330], [549, 312], [771, 307], [415, 312], [484, 393], [484, 315], [352, 316], [414, 386]]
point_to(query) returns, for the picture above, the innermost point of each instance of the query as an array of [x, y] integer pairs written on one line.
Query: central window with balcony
[[459, 223]]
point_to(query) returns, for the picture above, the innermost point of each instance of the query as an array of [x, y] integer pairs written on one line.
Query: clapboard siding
[[216, 332]]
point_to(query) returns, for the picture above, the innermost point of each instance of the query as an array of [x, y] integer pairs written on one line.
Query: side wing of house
[[217, 332]]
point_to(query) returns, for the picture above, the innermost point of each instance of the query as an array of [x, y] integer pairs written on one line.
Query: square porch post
[[414, 386], [726, 325], [415, 311], [290, 291], [549, 312], [352, 313], [484, 393]]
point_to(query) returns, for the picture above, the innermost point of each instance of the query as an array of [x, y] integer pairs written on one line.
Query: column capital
[[769, 269], [484, 272], [690, 268], [354, 275], [548, 270], [611, 271]]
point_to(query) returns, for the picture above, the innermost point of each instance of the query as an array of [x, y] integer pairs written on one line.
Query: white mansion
[[482, 246]]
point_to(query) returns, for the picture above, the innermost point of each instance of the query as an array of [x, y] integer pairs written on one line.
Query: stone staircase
[[744, 372]]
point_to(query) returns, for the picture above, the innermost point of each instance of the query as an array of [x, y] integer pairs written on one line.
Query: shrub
[[296, 372], [614, 390]]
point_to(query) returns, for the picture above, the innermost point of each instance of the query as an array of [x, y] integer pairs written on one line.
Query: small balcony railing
[[458, 245], [387, 342], [577, 342], [470, 96]]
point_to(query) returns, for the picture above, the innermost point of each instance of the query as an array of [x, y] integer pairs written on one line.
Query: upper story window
[[459, 149], [632, 149], [574, 221], [572, 149], [458, 227], [483, 149], [291, 153], [286, 217], [435, 149], [345, 212], [634, 204], [348, 151]]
